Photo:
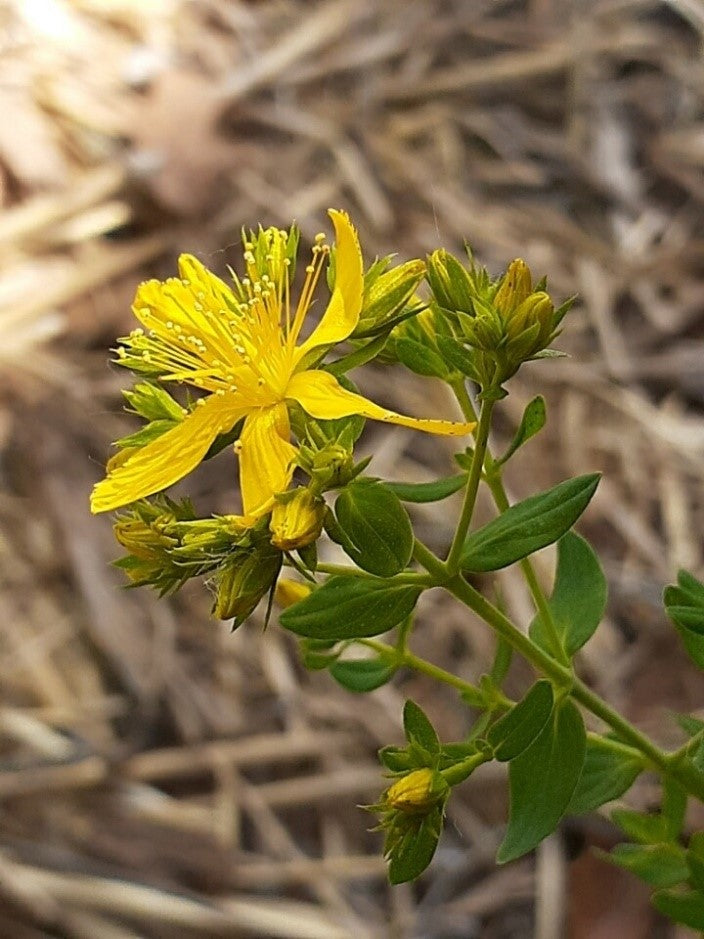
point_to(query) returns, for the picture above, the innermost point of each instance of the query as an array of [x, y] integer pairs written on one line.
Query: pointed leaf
[[578, 599], [515, 731], [362, 674], [351, 608], [377, 530], [528, 526], [418, 728], [428, 492], [606, 775], [542, 780], [532, 422]]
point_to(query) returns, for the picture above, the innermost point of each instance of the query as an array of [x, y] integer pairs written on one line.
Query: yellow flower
[[241, 345]]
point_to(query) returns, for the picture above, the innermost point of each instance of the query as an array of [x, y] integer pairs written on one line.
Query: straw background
[[160, 777]]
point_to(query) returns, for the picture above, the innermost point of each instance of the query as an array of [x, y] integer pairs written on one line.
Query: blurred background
[[160, 777]]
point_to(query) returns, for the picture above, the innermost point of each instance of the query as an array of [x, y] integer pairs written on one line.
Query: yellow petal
[[170, 457], [266, 455], [321, 395], [342, 313]]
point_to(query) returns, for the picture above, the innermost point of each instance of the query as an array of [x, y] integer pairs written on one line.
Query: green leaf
[[419, 730], [515, 731], [415, 850], [528, 526], [646, 829], [578, 599], [660, 865], [696, 868], [377, 530], [348, 607], [317, 654], [684, 604], [682, 906], [428, 492], [420, 358], [542, 780], [674, 807], [606, 775], [533, 420], [362, 674]]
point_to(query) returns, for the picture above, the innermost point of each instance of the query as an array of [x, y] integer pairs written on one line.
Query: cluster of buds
[[500, 323]]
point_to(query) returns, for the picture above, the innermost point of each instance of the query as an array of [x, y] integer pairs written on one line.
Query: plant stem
[[404, 657], [481, 439], [347, 570], [498, 491], [666, 764]]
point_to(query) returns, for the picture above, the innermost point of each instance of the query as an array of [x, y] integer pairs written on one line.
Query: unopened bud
[[289, 592], [418, 792], [242, 583], [450, 282], [297, 521], [388, 295], [516, 286]]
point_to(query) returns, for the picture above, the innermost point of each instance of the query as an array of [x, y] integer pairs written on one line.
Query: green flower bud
[[451, 282], [242, 583], [297, 520], [387, 296]]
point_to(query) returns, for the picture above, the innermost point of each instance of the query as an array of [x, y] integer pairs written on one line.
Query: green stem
[[407, 658], [456, 774], [498, 491], [470, 494], [673, 765], [346, 570]]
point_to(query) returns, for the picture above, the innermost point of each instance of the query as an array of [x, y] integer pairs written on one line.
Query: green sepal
[[153, 403], [361, 675], [515, 731], [146, 434], [542, 780], [319, 654], [684, 605], [578, 598], [606, 775], [348, 607], [433, 491], [414, 850], [458, 356], [420, 358], [528, 526], [399, 759], [645, 829], [532, 422], [376, 530], [682, 906], [660, 865]]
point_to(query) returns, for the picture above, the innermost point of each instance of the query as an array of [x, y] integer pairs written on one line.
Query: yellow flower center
[[231, 340]]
